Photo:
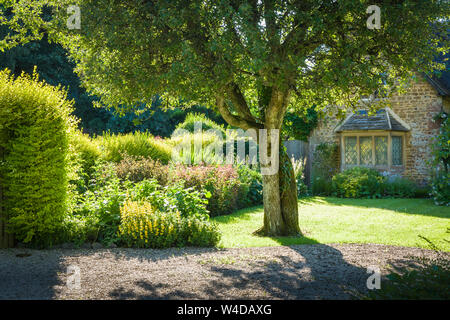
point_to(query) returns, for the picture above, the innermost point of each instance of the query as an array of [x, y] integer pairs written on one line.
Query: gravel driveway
[[296, 272]]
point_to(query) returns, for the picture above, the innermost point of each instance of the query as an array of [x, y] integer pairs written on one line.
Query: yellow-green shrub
[[85, 152], [143, 227], [138, 144], [35, 125]]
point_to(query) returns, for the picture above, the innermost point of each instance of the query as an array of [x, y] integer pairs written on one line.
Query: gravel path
[[295, 272]]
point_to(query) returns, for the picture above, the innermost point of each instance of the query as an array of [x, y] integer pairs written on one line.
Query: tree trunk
[[280, 200]]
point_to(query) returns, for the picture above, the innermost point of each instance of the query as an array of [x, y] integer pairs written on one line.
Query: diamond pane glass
[[381, 150], [351, 155], [397, 151], [365, 150]]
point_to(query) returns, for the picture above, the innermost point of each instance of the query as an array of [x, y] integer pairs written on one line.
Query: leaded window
[[373, 150], [397, 151], [365, 151], [351, 154], [381, 151]]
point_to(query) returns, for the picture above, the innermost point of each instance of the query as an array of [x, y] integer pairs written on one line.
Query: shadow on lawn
[[424, 207], [297, 272]]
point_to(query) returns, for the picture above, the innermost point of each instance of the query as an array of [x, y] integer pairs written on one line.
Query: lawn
[[400, 222]]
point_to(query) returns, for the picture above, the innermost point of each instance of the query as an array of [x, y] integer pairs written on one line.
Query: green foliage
[[299, 168], [143, 226], [137, 144], [35, 125], [440, 185], [440, 189], [138, 169], [174, 197], [358, 182], [201, 121], [96, 212], [251, 193], [400, 188], [221, 182], [85, 153], [298, 126], [325, 165]]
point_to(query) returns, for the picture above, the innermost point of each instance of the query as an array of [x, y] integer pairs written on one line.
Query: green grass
[[328, 220]]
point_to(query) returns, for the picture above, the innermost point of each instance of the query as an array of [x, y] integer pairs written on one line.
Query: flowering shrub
[[143, 226], [137, 169], [220, 182]]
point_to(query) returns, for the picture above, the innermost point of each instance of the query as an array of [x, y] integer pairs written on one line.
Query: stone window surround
[[373, 134]]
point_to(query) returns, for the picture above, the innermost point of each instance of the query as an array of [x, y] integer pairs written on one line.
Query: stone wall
[[417, 107]]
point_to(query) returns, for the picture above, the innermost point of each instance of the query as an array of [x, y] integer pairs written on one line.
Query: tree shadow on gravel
[[29, 274], [303, 272]]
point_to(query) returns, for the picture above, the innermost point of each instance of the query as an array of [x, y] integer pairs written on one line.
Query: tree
[[252, 60]]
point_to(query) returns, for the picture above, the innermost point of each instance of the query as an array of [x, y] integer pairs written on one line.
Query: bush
[[188, 201], [358, 182], [85, 152], [143, 226], [400, 188], [222, 183], [440, 184], [138, 169], [299, 168], [440, 189], [138, 144], [191, 119], [96, 213], [251, 190], [35, 125], [325, 166]]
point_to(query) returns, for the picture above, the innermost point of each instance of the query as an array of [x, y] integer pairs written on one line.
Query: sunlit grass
[[332, 220]]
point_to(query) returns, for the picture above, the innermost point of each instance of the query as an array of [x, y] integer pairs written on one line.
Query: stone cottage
[[396, 140]]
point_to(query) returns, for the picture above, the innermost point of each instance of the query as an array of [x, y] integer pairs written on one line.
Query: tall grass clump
[[137, 144], [191, 119]]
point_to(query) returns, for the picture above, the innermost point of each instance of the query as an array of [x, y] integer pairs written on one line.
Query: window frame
[[373, 134]]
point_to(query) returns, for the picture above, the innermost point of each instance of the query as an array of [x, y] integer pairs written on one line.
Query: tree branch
[[232, 119]]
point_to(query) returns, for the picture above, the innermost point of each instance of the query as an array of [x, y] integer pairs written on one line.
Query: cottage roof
[[384, 119]]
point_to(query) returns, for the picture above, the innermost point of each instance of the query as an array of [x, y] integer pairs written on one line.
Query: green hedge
[[35, 125]]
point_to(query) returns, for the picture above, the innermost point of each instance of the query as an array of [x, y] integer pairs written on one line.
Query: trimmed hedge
[[35, 125]]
